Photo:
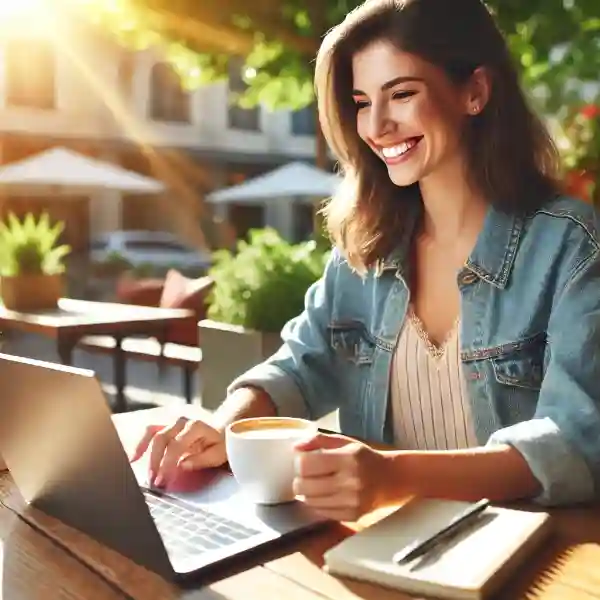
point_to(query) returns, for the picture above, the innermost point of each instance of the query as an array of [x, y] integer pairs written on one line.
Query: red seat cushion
[[143, 292], [181, 292]]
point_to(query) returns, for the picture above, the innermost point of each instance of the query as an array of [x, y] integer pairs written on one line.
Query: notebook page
[[466, 562]]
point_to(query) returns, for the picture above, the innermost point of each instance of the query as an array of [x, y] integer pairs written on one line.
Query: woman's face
[[408, 111]]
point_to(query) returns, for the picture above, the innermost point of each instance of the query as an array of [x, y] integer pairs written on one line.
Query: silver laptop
[[65, 456]]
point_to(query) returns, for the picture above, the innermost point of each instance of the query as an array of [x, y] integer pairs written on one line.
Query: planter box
[[31, 292], [227, 352]]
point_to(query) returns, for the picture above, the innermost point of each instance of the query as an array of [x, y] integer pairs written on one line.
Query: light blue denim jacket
[[530, 344]]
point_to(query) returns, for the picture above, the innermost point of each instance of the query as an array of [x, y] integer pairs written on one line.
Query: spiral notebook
[[469, 566]]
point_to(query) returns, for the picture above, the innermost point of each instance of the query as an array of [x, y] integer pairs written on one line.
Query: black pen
[[422, 546]]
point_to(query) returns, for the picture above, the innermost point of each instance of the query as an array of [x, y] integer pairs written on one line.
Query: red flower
[[580, 184], [590, 111]]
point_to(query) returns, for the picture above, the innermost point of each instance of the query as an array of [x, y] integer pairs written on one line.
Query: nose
[[380, 122]]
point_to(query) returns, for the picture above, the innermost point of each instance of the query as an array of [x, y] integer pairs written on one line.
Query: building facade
[[81, 90]]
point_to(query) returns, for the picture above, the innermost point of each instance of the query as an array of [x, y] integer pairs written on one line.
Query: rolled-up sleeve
[[299, 377], [561, 444]]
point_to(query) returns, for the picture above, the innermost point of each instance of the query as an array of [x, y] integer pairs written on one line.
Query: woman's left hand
[[340, 478]]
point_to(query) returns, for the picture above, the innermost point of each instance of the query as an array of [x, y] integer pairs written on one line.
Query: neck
[[452, 208]]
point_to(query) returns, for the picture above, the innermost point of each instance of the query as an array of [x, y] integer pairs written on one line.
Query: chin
[[403, 177]]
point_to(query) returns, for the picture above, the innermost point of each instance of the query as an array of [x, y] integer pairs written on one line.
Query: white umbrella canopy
[[293, 179], [70, 171]]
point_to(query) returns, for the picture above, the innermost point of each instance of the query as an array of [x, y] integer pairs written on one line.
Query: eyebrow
[[390, 84]]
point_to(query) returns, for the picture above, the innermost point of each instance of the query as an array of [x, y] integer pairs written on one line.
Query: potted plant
[[31, 262], [257, 290]]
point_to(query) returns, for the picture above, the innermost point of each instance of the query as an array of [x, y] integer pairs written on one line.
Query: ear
[[478, 91]]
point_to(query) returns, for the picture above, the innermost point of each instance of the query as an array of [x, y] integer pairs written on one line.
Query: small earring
[[475, 109]]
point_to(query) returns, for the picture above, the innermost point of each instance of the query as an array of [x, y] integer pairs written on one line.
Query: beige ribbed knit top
[[430, 407]]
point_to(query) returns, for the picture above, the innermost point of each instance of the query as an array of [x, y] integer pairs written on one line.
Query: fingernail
[[186, 465], [159, 481]]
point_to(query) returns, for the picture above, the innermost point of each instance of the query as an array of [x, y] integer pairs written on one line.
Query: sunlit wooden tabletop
[[44, 559]]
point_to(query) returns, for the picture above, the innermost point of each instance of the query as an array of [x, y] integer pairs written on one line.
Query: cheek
[[362, 124], [408, 114], [429, 114], [438, 122]]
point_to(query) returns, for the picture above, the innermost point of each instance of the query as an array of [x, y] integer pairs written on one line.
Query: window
[[244, 217], [30, 74], [246, 119], [304, 121], [168, 100], [304, 221]]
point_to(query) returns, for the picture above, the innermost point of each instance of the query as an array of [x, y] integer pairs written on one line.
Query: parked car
[[157, 249]]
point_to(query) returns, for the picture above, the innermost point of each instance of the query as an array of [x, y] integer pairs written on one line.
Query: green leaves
[[198, 36], [262, 285], [30, 246]]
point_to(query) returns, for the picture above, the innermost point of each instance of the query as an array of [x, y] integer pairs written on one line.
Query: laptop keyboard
[[193, 531]]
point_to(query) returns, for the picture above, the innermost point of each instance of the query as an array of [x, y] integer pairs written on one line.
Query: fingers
[[317, 463], [333, 497], [330, 481], [323, 487], [177, 444], [143, 444], [159, 445], [322, 441], [201, 457]]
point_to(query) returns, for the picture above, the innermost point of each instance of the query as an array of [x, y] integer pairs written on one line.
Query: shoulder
[[567, 218]]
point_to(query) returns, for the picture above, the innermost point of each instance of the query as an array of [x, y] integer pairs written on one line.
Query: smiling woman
[[463, 291], [401, 94]]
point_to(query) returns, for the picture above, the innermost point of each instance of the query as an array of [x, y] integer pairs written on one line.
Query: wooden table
[[34, 567], [75, 319]]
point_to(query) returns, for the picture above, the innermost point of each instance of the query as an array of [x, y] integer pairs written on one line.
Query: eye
[[403, 94], [361, 104]]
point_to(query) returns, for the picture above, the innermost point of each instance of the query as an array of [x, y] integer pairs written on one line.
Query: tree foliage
[[555, 42]]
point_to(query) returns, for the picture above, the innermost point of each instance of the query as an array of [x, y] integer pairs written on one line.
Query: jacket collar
[[492, 257], [494, 254]]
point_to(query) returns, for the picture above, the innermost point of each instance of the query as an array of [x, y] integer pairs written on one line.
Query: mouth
[[399, 152]]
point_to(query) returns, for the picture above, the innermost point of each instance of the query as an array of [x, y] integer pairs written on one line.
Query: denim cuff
[[280, 386], [563, 473]]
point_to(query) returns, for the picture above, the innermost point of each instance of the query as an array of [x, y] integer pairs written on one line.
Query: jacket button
[[469, 278]]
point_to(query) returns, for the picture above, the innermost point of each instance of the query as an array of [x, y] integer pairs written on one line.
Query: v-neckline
[[435, 351]]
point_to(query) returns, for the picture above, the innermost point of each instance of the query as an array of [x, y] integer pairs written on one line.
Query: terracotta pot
[[31, 292]]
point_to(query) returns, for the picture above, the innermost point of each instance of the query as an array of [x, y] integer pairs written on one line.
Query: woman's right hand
[[187, 444]]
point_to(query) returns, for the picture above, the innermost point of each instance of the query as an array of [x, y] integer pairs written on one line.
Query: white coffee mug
[[261, 455]]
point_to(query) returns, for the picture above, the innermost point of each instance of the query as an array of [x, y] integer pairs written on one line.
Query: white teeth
[[399, 150]]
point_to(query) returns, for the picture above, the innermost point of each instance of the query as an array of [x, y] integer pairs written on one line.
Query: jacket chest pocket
[[521, 364], [515, 372], [351, 343]]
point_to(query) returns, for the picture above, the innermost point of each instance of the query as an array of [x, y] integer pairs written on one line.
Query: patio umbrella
[[73, 172], [294, 179]]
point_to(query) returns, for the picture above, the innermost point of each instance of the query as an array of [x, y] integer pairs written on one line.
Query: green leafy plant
[[31, 247], [263, 284], [114, 264]]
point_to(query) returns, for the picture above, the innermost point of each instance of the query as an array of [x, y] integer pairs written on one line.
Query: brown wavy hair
[[512, 159]]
